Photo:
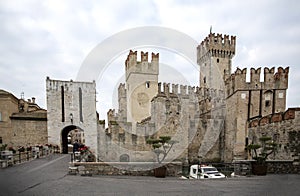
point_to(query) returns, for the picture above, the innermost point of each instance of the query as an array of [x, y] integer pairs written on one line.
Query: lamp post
[[71, 118]]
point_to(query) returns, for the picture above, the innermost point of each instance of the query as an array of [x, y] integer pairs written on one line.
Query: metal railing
[[20, 157]]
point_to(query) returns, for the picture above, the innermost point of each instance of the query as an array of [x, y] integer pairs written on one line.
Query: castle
[[212, 122]]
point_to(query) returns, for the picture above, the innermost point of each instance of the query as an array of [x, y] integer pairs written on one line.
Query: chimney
[[33, 100], [29, 100]]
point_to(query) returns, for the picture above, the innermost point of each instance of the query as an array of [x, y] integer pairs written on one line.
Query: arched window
[[124, 158]]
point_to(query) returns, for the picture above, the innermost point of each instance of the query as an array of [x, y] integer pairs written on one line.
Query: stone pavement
[[48, 176]]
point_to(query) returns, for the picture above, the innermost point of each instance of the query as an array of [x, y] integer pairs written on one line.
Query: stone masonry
[[71, 105], [210, 121], [283, 128]]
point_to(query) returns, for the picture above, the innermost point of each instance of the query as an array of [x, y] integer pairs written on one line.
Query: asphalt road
[[48, 176]]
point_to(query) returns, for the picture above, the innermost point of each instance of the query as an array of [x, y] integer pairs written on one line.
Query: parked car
[[204, 171]]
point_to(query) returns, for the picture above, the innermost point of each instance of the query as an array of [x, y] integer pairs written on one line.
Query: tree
[[161, 147], [266, 146]]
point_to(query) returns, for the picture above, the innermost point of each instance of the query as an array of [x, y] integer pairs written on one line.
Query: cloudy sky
[[53, 38]]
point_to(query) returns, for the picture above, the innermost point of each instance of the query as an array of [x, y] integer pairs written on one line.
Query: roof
[[6, 93], [38, 115]]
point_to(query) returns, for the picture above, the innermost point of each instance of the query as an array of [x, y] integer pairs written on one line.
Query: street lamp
[[71, 118]]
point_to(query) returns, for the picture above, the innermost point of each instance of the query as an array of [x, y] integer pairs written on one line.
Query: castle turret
[[141, 84], [214, 56]]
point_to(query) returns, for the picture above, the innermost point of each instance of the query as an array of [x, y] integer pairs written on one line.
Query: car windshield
[[209, 170]]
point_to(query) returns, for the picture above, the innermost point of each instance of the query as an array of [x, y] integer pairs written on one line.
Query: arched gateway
[[69, 135], [71, 106]]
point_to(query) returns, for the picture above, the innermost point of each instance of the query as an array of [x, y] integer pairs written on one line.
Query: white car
[[203, 172]]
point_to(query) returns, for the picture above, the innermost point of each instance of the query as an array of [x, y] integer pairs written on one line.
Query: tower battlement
[[189, 91], [143, 66], [272, 79], [218, 45], [176, 89], [214, 55]]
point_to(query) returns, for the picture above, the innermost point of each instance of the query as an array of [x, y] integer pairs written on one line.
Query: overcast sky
[[52, 38]]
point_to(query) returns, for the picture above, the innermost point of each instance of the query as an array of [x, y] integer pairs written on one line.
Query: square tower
[[214, 56], [141, 85], [71, 105]]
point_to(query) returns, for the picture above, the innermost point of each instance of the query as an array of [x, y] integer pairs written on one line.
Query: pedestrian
[[75, 146]]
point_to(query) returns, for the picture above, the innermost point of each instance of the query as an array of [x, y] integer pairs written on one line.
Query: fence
[[8, 158]]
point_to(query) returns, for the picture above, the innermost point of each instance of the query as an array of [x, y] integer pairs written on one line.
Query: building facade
[[22, 123], [71, 106]]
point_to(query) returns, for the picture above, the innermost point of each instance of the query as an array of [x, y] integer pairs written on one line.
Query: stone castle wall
[[176, 111], [210, 121], [248, 100], [283, 128]]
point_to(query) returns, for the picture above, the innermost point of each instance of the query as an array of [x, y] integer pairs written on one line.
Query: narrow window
[[218, 60], [0, 116], [62, 104], [268, 103], [134, 139], [204, 80], [0, 140], [80, 105], [147, 84], [122, 138]]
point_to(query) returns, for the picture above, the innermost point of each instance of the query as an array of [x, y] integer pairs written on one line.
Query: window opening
[[147, 84]]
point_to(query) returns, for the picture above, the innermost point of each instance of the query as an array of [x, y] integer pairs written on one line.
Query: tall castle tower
[[214, 56], [141, 85]]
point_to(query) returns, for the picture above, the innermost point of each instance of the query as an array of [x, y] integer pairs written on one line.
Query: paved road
[[48, 176]]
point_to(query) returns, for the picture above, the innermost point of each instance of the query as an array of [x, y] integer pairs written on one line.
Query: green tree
[[161, 147], [263, 150]]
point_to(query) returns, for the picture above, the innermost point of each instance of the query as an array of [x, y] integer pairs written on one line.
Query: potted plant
[[3, 147], [12, 149], [161, 147], [260, 154], [21, 149]]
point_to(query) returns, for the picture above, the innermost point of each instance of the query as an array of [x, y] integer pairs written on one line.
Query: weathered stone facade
[[22, 123], [284, 129], [141, 81], [71, 105], [248, 100], [210, 121], [121, 168], [8, 106]]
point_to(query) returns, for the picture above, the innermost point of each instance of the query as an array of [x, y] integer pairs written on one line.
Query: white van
[[203, 172]]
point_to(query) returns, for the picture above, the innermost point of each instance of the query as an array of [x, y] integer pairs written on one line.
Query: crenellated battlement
[[201, 93], [122, 90], [289, 114], [218, 45], [67, 85], [272, 79], [143, 66], [176, 89]]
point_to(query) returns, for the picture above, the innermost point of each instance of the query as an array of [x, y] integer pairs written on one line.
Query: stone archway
[[64, 137]]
